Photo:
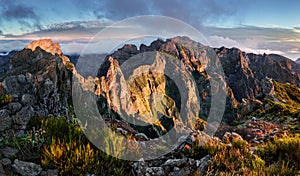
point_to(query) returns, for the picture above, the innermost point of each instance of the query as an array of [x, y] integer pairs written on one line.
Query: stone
[[14, 107], [5, 120], [28, 99], [46, 88], [2, 171], [176, 162], [122, 131], [22, 117], [204, 163], [26, 168], [141, 137], [6, 163], [157, 171], [236, 136], [52, 172], [231, 136], [9, 151], [22, 79]]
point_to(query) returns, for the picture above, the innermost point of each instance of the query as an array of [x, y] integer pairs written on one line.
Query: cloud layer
[[24, 15], [49, 20]]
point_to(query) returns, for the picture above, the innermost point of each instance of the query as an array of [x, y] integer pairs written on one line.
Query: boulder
[[14, 107], [5, 120], [22, 117], [9, 151], [26, 168]]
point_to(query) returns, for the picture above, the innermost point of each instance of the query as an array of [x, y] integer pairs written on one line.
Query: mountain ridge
[[261, 98]]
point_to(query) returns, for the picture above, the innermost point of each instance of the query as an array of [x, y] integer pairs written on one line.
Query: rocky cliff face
[[39, 83], [39, 79], [148, 85], [4, 62], [248, 78]]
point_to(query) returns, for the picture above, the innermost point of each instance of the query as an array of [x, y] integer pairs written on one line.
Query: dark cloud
[[116, 9], [196, 13], [1, 32], [21, 13]]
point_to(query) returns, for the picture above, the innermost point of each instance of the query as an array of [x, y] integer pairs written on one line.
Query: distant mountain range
[[246, 74], [153, 85]]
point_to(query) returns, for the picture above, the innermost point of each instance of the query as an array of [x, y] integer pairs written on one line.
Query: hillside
[[183, 107]]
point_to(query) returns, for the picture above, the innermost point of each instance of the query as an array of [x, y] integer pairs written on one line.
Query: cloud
[[12, 45], [115, 9], [258, 38], [1, 32], [73, 36], [20, 13], [196, 13]]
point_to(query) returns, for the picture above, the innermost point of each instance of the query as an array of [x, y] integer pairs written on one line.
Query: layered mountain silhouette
[[145, 92], [40, 78]]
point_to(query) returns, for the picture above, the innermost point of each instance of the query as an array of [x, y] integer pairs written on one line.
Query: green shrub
[[68, 150], [5, 99], [283, 150], [70, 66]]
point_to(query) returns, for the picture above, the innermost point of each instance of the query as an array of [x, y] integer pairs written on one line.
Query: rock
[[122, 131], [28, 99], [14, 107], [155, 171], [176, 162], [9, 151], [22, 117], [257, 131], [236, 136], [275, 130], [232, 136], [2, 171], [6, 163], [5, 120], [267, 87], [45, 44], [182, 139], [46, 89], [52, 172], [26, 168], [180, 172], [204, 163], [249, 105], [253, 119], [22, 79], [141, 137]]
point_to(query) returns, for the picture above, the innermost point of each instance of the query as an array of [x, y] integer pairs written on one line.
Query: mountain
[[246, 75], [248, 80], [298, 61], [4, 59], [39, 83], [176, 86]]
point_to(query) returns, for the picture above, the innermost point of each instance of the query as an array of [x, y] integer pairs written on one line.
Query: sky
[[258, 26]]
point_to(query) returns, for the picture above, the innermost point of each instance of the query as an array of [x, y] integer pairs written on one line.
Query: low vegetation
[[5, 99], [280, 157], [56, 143]]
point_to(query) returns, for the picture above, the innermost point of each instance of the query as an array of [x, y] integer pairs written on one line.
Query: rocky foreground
[[257, 135]]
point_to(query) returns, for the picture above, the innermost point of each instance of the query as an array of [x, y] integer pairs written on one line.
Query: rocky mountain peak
[[46, 44]]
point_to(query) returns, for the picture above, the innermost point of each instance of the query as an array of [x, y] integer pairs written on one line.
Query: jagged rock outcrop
[[247, 79], [40, 85], [146, 82], [4, 62]]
